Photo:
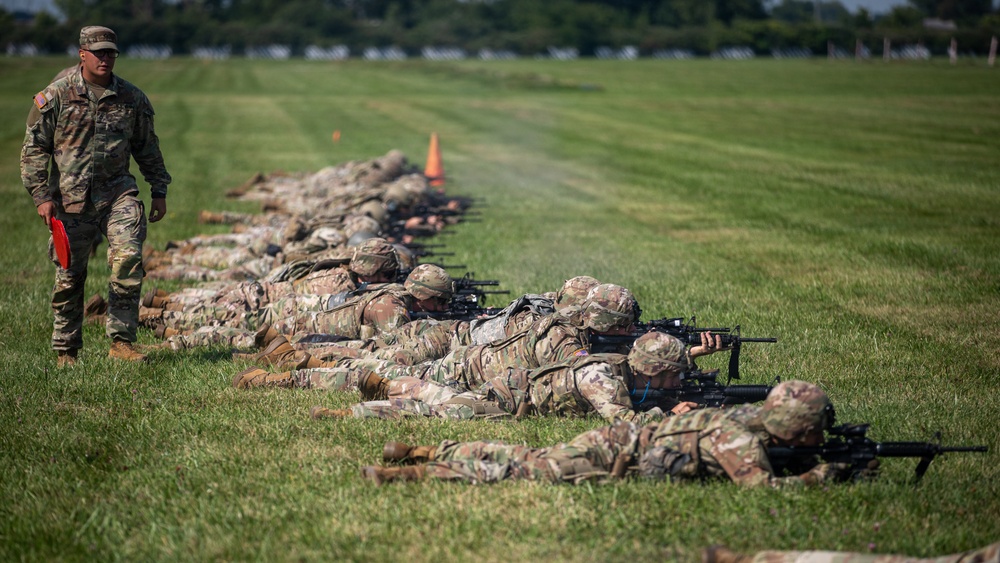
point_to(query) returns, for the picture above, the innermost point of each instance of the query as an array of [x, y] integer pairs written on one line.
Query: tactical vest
[[674, 447], [494, 327], [554, 389], [520, 349], [344, 315]]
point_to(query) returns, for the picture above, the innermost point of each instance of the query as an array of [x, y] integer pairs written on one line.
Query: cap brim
[[101, 45]]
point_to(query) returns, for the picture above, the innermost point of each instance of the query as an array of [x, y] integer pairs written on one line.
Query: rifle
[[849, 444], [689, 334], [701, 387], [461, 308]]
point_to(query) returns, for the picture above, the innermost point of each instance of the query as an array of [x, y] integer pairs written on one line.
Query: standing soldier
[[88, 124]]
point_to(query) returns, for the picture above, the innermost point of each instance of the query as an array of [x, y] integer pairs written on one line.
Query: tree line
[[522, 27]]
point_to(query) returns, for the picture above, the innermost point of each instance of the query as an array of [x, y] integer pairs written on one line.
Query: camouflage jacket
[[89, 143], [585, 385], [712, 443], [382, 309]]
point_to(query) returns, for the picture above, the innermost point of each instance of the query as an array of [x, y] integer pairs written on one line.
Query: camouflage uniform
[[988, 554], [694, 445], [601, 384], [89, 142], [415, 342], [549, 340]]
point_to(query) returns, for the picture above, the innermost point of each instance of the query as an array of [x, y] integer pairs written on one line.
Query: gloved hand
[[826, 472]]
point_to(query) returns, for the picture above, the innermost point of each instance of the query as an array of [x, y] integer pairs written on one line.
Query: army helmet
[[374, 256], [657, 352], [374, 209], [574, 291], [609, 306], [427, 281], [795, 409]]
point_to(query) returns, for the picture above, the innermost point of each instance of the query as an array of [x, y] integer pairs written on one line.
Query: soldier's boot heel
[[722, 554], [403, 453], [318, 413], [381, 475], [373, 387]]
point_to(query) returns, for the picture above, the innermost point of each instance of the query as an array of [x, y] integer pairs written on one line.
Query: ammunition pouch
[[661, 462]]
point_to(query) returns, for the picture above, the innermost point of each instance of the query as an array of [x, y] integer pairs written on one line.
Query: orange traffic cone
[[434, 169]]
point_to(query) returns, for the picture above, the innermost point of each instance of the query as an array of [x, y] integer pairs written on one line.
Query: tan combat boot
[[402, 453], [373, 387], [66, 358], [163, 331], [148, 316], [318, 412], [381, 475], [264, 335], [206, 217], [121, 350], [722, 554], [153, 301], [256, 377], [278, 353]]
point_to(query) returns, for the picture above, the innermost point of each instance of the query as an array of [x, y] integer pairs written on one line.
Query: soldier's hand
[[158, 209], [683, 407], [47, 211], [870, 472], [710, 344], [825, 472]]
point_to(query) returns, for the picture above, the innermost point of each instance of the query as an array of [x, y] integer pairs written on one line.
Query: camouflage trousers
[[450, 371], [213, 336], [124, 224], [237, 308], [409, 397], [988, 554], [250, 270], [588, 457]]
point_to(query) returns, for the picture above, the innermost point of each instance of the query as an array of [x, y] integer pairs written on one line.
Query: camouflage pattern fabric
[[718, 443], [588, 457], [94, 194], [988, 554], [213, 336], [124, 224], [381, 310], [68, 135]]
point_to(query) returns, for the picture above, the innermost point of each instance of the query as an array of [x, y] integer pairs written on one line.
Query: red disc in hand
[[61, 242]]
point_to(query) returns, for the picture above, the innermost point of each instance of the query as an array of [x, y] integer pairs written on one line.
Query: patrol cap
[[609, 306], [374, 256], [654, 353], [427, 281], [97, 37], [575, 290], [794, 409]]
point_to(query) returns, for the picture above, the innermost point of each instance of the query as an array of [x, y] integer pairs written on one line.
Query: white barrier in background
[[491, 55], [626, 53], [384, 54], [212, 53], [149, 52], [335, 53], [734, 53], [442, 53], [673, 54], [270, 52]]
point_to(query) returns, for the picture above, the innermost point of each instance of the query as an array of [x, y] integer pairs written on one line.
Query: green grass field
[[850, 210]]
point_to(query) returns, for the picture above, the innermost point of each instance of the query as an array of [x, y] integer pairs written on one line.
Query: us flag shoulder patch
[[41, 99], [581, 352]]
